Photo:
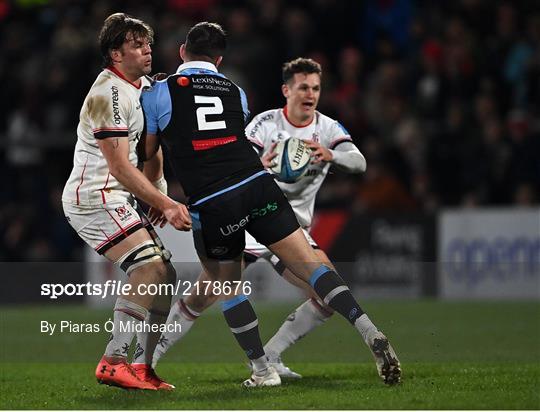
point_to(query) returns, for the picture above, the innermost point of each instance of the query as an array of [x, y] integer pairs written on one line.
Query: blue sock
[[244, 324], [335, 293]]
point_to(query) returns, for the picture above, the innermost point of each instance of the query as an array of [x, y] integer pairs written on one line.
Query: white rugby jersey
[[269, 127], [111, 109]]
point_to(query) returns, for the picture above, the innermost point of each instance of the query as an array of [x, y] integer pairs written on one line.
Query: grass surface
[[454, 356]]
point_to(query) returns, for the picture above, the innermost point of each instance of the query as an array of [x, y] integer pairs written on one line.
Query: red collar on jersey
[[289, 120], [119, 74]]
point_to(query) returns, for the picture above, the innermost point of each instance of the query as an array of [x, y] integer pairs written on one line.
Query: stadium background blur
[[443, 98]]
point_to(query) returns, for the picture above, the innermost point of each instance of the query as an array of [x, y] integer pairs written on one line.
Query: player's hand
[[319, 153], [268, 158], [178, 216], [156, 217]]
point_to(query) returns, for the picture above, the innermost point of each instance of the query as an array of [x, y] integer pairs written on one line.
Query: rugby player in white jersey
[[99, 198], [331, 145]]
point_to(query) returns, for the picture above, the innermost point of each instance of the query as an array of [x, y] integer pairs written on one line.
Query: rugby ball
[[292, 160]]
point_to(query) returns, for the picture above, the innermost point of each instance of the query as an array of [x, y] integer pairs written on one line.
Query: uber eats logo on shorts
[[263, 211], [255, 213]]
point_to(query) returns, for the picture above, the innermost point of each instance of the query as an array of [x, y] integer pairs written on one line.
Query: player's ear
[[218, 60], [116, 55], [182, 52], [285, 90]]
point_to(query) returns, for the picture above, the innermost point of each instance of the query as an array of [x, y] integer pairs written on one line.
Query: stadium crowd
[[443, 98]]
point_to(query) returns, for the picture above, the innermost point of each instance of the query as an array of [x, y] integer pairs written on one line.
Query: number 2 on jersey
[[202, 112]]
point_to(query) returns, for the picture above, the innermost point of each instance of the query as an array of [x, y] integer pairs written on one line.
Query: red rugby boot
[[117, 372], [147, 374]]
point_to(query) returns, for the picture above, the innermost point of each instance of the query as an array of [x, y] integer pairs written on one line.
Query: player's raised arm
[[348, 158], [340, 150]]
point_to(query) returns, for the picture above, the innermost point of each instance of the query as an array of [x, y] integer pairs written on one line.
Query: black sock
[[335, 293], [244, 324]]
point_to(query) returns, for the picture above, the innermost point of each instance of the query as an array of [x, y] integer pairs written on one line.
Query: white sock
[[147, 341], [299, 323], [181, 319], [125, 312], [366, 328], [259, 364]]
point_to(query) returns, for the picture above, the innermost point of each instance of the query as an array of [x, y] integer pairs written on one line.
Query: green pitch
[[454, 356]]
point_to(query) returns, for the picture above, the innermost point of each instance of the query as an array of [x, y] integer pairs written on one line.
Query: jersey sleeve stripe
[[337, 142], [105, 134]]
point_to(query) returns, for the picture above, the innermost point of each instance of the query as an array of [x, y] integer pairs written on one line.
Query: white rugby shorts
[[106, 225]]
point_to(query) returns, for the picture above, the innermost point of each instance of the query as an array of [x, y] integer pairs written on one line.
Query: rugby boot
[[147, 374], [266, 377], [388, 365], [117, 372], [283, 370]]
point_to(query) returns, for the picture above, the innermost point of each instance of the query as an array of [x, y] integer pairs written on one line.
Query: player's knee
[[161, 273], [146, 258], [152, 273]]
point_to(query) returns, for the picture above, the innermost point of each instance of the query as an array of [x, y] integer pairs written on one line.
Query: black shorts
[[258, 206]]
